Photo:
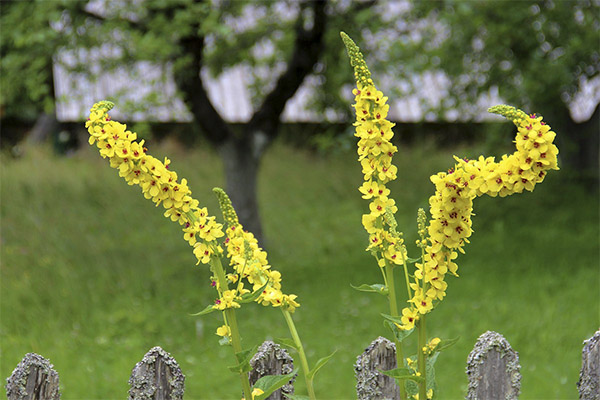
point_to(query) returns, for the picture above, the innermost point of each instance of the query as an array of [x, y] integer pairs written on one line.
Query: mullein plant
[[246, 277], [446, 233]]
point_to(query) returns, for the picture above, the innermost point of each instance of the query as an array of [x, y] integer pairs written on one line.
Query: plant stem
[[422, 358], [303, 360], [406, 276], [231, 321], [394, 313]]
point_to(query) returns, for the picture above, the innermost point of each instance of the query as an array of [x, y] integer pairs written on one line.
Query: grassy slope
[[93, 276]]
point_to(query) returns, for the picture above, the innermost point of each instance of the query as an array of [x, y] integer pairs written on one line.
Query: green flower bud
[[229, 214]]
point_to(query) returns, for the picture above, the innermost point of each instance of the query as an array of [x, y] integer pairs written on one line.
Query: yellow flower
[[224, 330]]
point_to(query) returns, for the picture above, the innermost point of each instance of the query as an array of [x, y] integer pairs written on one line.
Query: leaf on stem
[[402, 374], [374, 288], [399, 334], [446, 343], [287, 342], [311, 375], [243, 358], [430, 371], [270, 383], [250, 297], [209, 308]]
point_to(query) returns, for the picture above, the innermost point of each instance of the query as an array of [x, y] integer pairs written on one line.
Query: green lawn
[[93, 275]]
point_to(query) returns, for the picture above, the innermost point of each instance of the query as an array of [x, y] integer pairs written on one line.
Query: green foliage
[[271, 383], [390, 323], [374, 288], [534, 52], [318, 365], [207, 310], [243, 358]]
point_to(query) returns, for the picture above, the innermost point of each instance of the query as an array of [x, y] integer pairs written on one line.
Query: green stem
[[422, 358], [394, 312], [303, 360], [406, 276], [231, 321]]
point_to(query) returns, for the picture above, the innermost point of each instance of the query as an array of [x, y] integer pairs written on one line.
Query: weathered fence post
[[156, 377], [493, 369], [370, 383], [589, 377], [271, 359], [33, 379]]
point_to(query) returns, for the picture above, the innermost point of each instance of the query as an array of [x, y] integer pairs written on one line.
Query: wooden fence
[[492, 368]]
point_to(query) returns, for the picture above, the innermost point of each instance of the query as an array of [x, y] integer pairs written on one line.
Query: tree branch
[[195, 95], [308, 46]]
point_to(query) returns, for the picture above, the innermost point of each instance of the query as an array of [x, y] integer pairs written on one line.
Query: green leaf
[[411, 388], [374, 288], [430, 371], [243, 358], [209, 308], [412, 260], [318, 365], [446, 343], [250, 297], [397, 320], [296, 397], [270, 383], [402, 374], [399, 334], [287, 342]]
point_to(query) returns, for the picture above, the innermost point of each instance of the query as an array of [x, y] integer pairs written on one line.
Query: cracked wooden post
[[493, 369], [370, 383], [271, 359], [156, 377], [34, 378], [589, 377]]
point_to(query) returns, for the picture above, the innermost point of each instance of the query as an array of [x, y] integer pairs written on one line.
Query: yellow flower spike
[[158, 183], [452, 204], [250, 261], [361, 71]]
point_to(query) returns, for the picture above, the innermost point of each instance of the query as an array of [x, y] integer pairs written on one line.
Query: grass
[[93, 276]]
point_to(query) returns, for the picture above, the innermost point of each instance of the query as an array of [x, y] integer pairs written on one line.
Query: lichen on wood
[[34, 378], [271, 359], [589, 377], [156, 377], [370, 382], [493, 369]]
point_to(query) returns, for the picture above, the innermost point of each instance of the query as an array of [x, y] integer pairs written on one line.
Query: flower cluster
[[249, 261], [157, 182], [452, 204], [375, 152]]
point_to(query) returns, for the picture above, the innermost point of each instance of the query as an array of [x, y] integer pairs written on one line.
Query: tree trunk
[[241, 159], [45, 125]]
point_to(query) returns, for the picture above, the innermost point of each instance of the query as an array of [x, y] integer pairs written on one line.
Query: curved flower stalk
[[249, 262], [452, 204], [451, 209]]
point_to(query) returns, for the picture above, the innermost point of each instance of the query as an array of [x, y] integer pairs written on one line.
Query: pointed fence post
[[589, 377], [271, 359], [156, 377], [493, 369], [370, 383], [34, 378]]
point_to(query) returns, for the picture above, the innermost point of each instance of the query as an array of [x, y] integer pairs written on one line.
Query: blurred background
[[256, 97]]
